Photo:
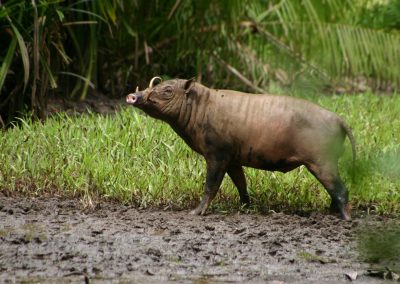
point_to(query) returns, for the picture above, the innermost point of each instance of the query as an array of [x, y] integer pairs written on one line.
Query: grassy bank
[[133, 158]]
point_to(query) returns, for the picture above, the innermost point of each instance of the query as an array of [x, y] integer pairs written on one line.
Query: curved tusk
[[152, 81], [137, 89]]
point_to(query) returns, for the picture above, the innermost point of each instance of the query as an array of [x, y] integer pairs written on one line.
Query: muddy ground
[[57, 240]]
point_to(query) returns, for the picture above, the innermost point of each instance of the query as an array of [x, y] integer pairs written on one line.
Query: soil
[[58, 240]]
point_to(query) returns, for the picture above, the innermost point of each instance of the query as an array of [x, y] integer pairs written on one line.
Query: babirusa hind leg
[[329, 177], [239, 180]]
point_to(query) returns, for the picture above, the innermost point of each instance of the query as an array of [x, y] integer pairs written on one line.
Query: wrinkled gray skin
[[233, 129]]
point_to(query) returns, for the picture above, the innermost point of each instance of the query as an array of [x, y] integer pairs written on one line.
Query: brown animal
[[233, 129]]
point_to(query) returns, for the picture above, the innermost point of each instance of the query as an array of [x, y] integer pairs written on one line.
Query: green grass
[[133, 158], [380, 246]]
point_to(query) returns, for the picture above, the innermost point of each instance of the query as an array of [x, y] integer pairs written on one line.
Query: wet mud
[[57, 240]]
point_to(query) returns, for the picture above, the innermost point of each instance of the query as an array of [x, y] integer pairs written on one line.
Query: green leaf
[[7, 62], [24, 53], [60, 15], [84, 79], [128, 28], [53, 82]]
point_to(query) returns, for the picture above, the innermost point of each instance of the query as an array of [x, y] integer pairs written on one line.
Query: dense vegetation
[[308, 47], [69, 48], [133, 158]]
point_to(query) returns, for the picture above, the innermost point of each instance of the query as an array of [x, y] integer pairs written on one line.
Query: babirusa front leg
[[215, 173]]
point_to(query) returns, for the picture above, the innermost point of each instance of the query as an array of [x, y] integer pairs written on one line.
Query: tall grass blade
[[36, 58], [5, 66], [84, 79], [24, 53], [45, 65]]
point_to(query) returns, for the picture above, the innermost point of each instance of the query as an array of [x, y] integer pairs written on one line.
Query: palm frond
[[335, 46]]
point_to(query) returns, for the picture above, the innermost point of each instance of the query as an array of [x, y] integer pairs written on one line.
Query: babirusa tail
[[349, 134]]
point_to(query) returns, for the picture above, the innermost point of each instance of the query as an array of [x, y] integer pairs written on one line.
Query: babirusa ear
[[189, 84]]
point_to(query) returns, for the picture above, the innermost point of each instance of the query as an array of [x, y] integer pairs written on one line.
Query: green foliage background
[[306, 47], [70, 48]]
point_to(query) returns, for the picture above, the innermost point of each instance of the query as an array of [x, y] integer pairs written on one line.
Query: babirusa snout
[[134, 99]]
